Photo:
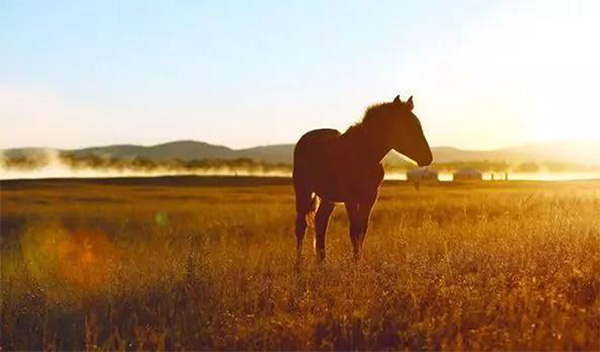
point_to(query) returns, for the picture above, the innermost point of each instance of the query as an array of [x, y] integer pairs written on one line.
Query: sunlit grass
[[495, 266]]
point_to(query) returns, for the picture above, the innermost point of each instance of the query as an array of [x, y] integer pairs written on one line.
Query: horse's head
[[404, 133]]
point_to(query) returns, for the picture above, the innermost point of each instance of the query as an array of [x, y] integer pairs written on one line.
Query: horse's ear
[[410, 103], [397, 99]]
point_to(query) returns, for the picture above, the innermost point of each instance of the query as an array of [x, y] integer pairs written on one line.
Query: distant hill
[[184, 150], [573, 152], [280, 153], [585, 153]]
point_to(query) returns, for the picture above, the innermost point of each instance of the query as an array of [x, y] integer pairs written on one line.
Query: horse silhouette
[[332, 167]]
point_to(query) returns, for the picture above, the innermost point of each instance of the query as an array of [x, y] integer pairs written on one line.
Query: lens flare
[[83, 257], [161, 218]]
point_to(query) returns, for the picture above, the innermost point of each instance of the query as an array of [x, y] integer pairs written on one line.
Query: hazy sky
[[484, 74]]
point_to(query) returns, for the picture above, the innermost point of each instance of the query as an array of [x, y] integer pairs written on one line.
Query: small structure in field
[[467, 174], [421, 175]]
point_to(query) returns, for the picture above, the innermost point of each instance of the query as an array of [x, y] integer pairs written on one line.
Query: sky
[[484, 74]]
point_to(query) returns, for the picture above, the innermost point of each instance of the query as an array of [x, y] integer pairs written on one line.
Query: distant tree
[[22, 162], [143, 164], [528, 167]]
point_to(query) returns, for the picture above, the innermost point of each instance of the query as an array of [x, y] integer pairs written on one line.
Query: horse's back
[[312, 144], [313, 136], [310, 151]]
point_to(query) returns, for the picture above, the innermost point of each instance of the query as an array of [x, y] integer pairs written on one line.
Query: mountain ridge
[[587, 153]]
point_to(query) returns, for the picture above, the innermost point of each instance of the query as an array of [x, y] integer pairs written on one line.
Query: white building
[[467, 174]]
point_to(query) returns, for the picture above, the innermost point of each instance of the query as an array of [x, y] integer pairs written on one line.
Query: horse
[[332, 167]]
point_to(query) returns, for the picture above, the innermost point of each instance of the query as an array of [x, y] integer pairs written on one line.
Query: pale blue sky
[[484, 74]]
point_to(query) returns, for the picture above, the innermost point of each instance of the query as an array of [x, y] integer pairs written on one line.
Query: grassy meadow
[[187, 263]]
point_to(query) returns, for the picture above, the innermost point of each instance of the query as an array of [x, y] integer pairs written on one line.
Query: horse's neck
[[364, 147]]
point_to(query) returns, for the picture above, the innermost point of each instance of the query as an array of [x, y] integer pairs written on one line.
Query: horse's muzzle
[[426, 162]]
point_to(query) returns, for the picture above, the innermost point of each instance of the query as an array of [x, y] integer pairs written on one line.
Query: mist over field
[[53, 164], [555, 161]]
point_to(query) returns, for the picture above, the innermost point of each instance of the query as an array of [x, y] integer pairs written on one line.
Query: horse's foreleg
[[364, 211], [359, 215], [321, 222], [355, 227]]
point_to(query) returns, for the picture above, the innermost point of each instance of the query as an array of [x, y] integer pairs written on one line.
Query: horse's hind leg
[[304, 204], [321, 222], [300, 231]]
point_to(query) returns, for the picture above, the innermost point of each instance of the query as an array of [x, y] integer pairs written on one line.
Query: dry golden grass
[[509, 266]]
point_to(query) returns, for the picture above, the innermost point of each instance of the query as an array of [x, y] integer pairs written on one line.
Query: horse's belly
[[344, 187], [331, 195], [338, 190]]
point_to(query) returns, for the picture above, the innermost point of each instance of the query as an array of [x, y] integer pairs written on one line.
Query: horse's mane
[[372, 113]]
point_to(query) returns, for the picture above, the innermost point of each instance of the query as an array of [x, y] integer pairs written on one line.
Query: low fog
[[51, 163]]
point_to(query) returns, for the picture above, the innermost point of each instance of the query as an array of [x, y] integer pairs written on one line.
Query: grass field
[[189, 263]]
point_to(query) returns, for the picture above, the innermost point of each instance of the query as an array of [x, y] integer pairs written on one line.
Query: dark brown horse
[[346, 168]]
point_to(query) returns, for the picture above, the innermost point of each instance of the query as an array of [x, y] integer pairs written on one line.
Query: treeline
[[24, 162], [37, 160], [76, 162], [142, 164]]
